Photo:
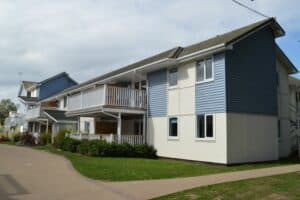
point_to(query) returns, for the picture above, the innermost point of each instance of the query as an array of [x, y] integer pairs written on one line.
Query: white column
[[144, 128], [119, 129], [78, 125]]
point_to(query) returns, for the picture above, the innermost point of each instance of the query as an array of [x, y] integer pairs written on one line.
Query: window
[[204, 70], [28, 94], [86, 127], [65, 102], [205, 126], [173, 127], [173, 77]]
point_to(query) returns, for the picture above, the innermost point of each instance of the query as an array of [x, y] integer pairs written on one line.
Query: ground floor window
[[86, 127], [173, 127], [205, 126]]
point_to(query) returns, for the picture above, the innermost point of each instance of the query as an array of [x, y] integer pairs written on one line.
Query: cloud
[[89, 37]]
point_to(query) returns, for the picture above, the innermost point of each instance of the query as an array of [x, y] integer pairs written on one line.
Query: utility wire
[[251, 9]]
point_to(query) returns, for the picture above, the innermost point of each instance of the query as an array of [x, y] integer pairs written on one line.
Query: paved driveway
[[35, 175]]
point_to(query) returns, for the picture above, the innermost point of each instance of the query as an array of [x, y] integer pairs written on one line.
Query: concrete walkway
[[30, 174]]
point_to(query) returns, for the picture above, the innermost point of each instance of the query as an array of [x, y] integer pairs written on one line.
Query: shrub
[[16, 137], [83, 147], [45, 138], [3, 138], [28, 139], [69, 144], [145, 151], [58, 139]]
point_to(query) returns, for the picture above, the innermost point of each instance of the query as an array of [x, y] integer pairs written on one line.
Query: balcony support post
[[119, 129]]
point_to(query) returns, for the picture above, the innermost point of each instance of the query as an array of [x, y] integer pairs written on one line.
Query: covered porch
[[113, 125]]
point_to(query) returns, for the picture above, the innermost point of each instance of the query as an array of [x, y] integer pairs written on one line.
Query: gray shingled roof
[[178, 52], [59, 115]]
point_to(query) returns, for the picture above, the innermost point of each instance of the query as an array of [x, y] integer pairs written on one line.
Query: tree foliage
[[6, 105]]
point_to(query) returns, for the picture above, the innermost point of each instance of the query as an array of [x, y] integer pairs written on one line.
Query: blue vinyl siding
[[251, 75], [210, 96], [55, 85], [157, 94]]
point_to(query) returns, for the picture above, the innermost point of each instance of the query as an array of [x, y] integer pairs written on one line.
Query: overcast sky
[[40, 38]]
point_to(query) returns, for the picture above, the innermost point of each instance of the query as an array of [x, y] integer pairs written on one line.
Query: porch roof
[[59, 116]]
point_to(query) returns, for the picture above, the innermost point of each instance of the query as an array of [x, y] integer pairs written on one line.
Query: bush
[[58, 139], [69, 144], [3, 138], [28, 139], [103, 149], [16, 137], [45, 138], [83, 147]]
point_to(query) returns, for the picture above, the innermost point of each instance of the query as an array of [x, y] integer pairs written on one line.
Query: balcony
[[110, 96]]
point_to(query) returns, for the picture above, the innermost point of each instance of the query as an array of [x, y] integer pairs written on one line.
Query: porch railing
[[130, 139]]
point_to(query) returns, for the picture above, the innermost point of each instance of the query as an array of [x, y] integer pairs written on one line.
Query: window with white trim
[[86, 127], [173, 77], [205, 126], [204, 70], [173, 127]]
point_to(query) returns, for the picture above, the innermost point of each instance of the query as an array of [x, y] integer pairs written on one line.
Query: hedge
[[104, 149]]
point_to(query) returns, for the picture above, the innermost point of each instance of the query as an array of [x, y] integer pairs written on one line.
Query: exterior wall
[[285, 140], [157, 95], [55, 85], [251, 75], [182, 102], [210, 96], [251, 138], [187, 146]]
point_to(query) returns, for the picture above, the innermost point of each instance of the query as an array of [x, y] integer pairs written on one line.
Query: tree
[[6, 105]]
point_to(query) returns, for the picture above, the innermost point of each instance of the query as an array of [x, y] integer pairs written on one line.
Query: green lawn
[[280, 187], [124, 169]]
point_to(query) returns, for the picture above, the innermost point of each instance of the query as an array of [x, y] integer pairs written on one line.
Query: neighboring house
[[15, 123], [224, 100], [46, 116]]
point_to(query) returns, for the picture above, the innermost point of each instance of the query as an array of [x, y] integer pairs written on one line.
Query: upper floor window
[[205, 126], [28, 94], [204, 70], [173, 127], [173, 77]]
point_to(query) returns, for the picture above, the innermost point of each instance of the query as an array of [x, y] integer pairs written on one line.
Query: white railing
[[106, 137], [110, 95], [130, 139], [126, 97], [33, 113]]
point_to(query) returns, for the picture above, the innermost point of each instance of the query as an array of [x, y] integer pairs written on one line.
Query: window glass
[[200, 131], [209, 126], [200, 71], [87, 127], [208, 69], [173, 76], [173, 127], [65, 101]]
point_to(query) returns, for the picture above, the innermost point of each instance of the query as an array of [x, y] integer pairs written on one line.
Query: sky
[[86, 38]]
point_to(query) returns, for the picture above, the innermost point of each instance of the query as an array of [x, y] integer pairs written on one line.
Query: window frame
[[205, 138], [168, 74], [173, 137], [204, 73]]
